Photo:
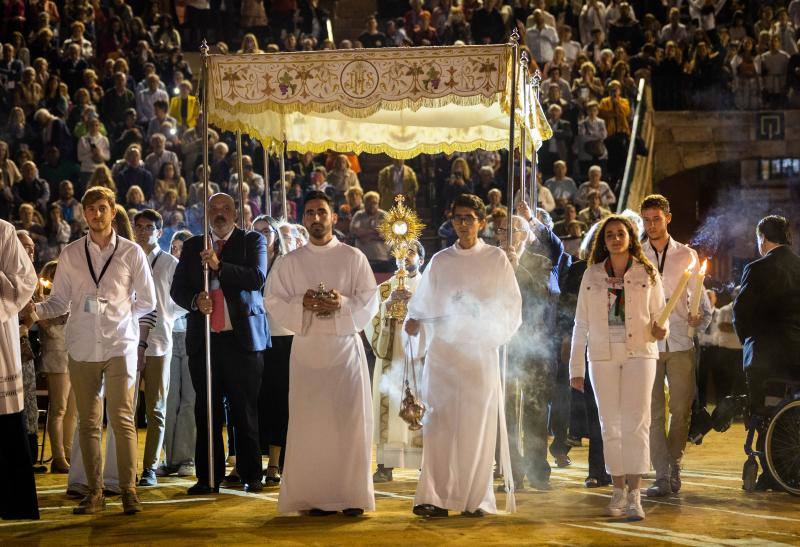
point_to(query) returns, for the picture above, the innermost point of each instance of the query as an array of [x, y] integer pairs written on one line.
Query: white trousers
[[623, 388]]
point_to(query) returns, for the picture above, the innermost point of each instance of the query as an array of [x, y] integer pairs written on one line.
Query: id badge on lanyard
[[94, 304]]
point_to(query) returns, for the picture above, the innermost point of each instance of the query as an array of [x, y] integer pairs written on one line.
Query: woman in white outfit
[[619, 300]]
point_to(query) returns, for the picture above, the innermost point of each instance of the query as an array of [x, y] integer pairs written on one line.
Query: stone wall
[[686, 140]]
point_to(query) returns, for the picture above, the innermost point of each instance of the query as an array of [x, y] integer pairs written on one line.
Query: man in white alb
[[104, 281], [397, 445], [329, 440], [466, 306], [155, 345]]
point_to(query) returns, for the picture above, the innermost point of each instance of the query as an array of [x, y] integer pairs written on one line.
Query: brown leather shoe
[[94, 502], [59, 465], [130, 503]]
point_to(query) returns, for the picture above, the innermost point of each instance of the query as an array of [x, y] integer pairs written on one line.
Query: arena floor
[[711, 510]]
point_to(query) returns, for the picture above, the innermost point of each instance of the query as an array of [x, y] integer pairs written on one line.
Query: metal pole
[[206, 242], [267, 191], [512, 123], [240, 176], [284, 210], [523, 136], [536, 81]]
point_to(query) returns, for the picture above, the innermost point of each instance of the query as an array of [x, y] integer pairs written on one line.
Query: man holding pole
[[676, 362], [237, 263]]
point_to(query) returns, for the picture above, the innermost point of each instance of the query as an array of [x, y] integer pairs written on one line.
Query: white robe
[[469, 303], [397, 446], [17, 283], [329, 440]]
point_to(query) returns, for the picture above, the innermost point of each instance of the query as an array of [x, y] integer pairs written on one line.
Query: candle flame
[[46, 283], [690, 267], [703, 267]]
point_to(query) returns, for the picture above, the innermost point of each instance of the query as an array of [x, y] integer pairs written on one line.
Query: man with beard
[[466, 306], [237, 262], [329, 439], [104, 282], [397, 445], [530, 358]]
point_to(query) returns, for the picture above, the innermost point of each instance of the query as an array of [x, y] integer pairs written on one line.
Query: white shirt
[[127, 285], [727, 340], [214, 238], [678, 258], [542, 43], [163, 267]]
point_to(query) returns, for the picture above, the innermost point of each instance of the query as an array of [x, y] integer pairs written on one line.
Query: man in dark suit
[[766, 315], [237, 262]]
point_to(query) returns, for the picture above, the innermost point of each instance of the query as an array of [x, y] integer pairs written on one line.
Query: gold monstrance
[[400, 227]]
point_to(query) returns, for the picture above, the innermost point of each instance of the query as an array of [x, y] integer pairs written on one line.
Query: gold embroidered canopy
[[399, 101]]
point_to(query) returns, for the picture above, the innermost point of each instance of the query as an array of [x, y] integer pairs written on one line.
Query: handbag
[[595, 148], [412, 409]]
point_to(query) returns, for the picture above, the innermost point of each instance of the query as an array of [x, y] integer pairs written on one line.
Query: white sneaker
[[635, 511], [617, 506], [186, 470]]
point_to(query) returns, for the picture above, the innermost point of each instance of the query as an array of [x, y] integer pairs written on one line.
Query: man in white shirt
[[674, 31], [364, 231], [155, 345], [676, 361], [541, 39], [146, 98], [104, 282]]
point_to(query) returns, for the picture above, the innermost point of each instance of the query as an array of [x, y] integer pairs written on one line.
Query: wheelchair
[[774, 425]]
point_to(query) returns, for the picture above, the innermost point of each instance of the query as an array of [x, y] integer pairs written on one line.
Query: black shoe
[[766, 482], [201, 489], [320, 513], [254, 487], [659, 489], [675, 479], [353, 512], [473, 514], [429, 511], [594, 482], [38, 469], [232, 480]]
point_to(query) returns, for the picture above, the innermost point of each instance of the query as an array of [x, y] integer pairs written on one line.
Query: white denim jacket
[[644, 300]]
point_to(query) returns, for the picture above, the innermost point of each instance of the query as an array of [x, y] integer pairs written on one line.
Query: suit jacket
[[386, 187], [242, 273], [766, 314]]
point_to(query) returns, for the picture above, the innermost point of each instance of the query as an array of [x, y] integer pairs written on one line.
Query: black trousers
[[273, 400], [536, 385], [597, 462], [18, 494], [235, 374], [560, 411]]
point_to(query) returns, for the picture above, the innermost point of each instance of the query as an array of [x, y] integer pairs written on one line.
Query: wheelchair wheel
[[782, 447]]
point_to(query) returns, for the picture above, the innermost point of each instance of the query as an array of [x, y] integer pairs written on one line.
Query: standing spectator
[[541, 39], [487, 24], [615, 111], [458, 185], [10, 68], [32, 189], [57, 233], [179, 430], [607, 197], [158, 123], [342, 177], [185, 108], [563, 226], [159, 155], [591, 138], [395, 179], [364, 231], [103, 327], [594, 212], [592, 16], [746, 70], [155, 344], [372, 37], [71, 208], [134, 173], [192, 147], [674, 31], [147, 97], [571, 48], [587, 87], [28, 93], [116, 102], [54, 133], [562, 187], [486, 182], [77, 38], [93, 150], [774, 65], [169, 179], [558, 147]]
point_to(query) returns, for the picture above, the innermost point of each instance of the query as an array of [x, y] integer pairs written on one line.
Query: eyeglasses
[[504, 230], [464, 219]]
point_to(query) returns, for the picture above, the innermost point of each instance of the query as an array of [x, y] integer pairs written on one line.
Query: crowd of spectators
[[99, 93]]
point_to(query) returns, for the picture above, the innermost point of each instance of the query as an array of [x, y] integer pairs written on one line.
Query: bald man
[[237, 262]]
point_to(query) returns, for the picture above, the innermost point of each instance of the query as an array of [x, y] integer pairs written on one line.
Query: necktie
[[217, 298]]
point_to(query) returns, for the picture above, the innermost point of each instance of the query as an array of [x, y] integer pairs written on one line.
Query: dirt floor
[[711, 509]]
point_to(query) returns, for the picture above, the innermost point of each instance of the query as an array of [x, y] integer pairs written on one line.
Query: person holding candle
[[678, 267], [618, 302]]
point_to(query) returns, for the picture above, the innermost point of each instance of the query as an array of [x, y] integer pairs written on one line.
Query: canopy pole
[[512, 124], [240, 176], [536, 81], [206, 88], [523, 135], [267, 191], [284, 210]]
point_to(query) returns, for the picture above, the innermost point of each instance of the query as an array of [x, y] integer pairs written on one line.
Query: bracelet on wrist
[[143, 344]]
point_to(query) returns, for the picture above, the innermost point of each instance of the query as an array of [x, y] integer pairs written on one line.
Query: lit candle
[[676, 296], [694, 306]]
